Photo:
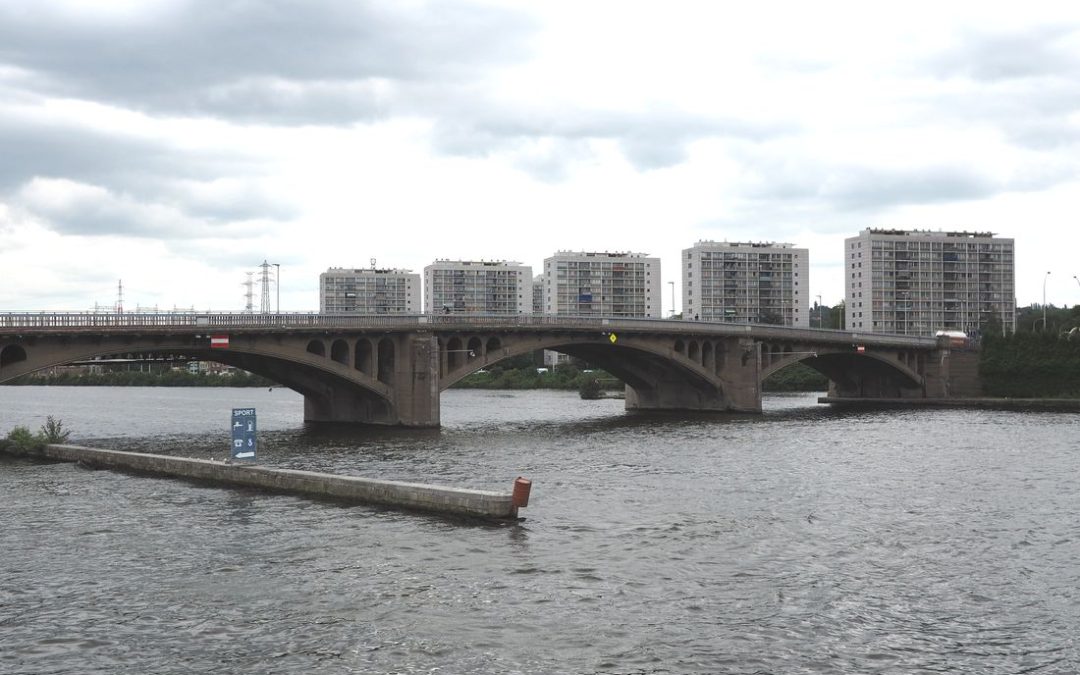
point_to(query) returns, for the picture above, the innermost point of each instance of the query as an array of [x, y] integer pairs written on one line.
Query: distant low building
[[369, 291]]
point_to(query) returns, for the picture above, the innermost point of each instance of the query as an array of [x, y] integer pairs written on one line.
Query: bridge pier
[[412, 370], [740, 388]]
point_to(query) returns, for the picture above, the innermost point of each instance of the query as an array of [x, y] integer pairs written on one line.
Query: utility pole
[[264, 306]]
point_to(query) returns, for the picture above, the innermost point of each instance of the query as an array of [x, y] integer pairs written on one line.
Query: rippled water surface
[[802, 540]]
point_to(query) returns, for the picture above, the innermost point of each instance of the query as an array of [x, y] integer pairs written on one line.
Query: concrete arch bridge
[[391, 370]]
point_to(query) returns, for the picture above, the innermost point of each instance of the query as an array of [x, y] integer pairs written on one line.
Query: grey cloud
[[70, 207], [200, 185], [867, 188], [34, 148], [1034, 53], [804, 183], [279, 59], [650, 140]]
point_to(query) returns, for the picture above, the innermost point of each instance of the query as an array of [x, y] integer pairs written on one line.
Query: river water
[[803, 540]]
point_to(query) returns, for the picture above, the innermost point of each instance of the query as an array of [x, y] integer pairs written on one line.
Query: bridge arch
[[852, 373], [11, 354], [646, 367], [339, 351], [322, 381]]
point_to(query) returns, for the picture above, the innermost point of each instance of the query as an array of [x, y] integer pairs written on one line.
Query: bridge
[[390, 370]]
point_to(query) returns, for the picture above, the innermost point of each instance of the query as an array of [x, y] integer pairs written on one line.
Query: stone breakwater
[[354, 489]]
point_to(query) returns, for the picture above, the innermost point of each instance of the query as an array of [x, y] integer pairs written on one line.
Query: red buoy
[[522, 487]]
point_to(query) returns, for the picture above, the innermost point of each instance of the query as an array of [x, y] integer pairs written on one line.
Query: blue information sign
[[243, 434]]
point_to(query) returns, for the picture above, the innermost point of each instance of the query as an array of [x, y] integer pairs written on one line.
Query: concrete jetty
[[411, 496], [1041, 404]]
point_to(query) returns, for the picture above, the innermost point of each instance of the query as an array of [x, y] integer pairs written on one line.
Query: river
[[801, 540]]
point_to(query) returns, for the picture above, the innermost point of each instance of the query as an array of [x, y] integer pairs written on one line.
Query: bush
[[53, 431], [21, 438], [591, 390]]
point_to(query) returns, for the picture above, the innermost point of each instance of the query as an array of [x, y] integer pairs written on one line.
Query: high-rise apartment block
[[478, 287], [369, 291], [917, 282], [746, 283], [602, 284], [538, 294]]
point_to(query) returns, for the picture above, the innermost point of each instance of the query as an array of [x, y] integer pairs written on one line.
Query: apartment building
[[478, 287], [917, 282], [602, 284], [746, 282], [538, 294], [369, 291]]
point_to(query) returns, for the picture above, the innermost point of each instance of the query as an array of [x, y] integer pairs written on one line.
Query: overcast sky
[[177, 144]]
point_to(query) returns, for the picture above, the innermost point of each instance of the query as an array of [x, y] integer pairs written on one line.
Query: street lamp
[[1044, 299], [672, 297], [819, 311]]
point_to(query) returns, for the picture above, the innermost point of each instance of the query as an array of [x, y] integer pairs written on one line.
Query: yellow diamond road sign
[[612, 338]]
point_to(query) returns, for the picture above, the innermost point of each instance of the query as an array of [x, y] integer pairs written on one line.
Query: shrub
[[591, 390], [53, 431], [21, 438]]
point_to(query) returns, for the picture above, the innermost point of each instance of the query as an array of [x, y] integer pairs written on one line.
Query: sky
[[176, 145]]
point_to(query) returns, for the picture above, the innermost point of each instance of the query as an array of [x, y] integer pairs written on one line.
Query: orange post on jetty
[[522, 488]]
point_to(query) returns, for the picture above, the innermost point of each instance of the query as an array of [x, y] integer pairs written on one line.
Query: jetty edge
[[482, 504]]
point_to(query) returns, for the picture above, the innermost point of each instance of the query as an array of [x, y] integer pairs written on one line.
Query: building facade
[[918, 282], [538, 294], [602, 284], [478, 287], [746, 283], [369, 291]]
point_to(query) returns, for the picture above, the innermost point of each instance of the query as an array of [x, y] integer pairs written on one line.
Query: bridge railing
[[227, 321]]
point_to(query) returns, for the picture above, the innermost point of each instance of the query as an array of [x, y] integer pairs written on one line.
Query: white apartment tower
[[747, 282], [478, 287], [917, 282], [369, 291], [602, 284]]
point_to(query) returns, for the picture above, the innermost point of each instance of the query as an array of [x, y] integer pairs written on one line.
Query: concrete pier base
[[412, 496]]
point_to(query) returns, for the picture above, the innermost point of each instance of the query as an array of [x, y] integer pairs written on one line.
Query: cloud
[[650, 139], [70, 207], [278, 60], [1035, 52]]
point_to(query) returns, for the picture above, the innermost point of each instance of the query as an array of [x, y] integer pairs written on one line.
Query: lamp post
[[277, 283], [1047, 276], [819, 311], [672, 283]]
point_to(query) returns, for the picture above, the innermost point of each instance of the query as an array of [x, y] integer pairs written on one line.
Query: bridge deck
[[52, 323]]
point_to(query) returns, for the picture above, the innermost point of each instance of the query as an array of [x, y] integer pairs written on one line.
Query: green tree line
[[1030, 365]]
